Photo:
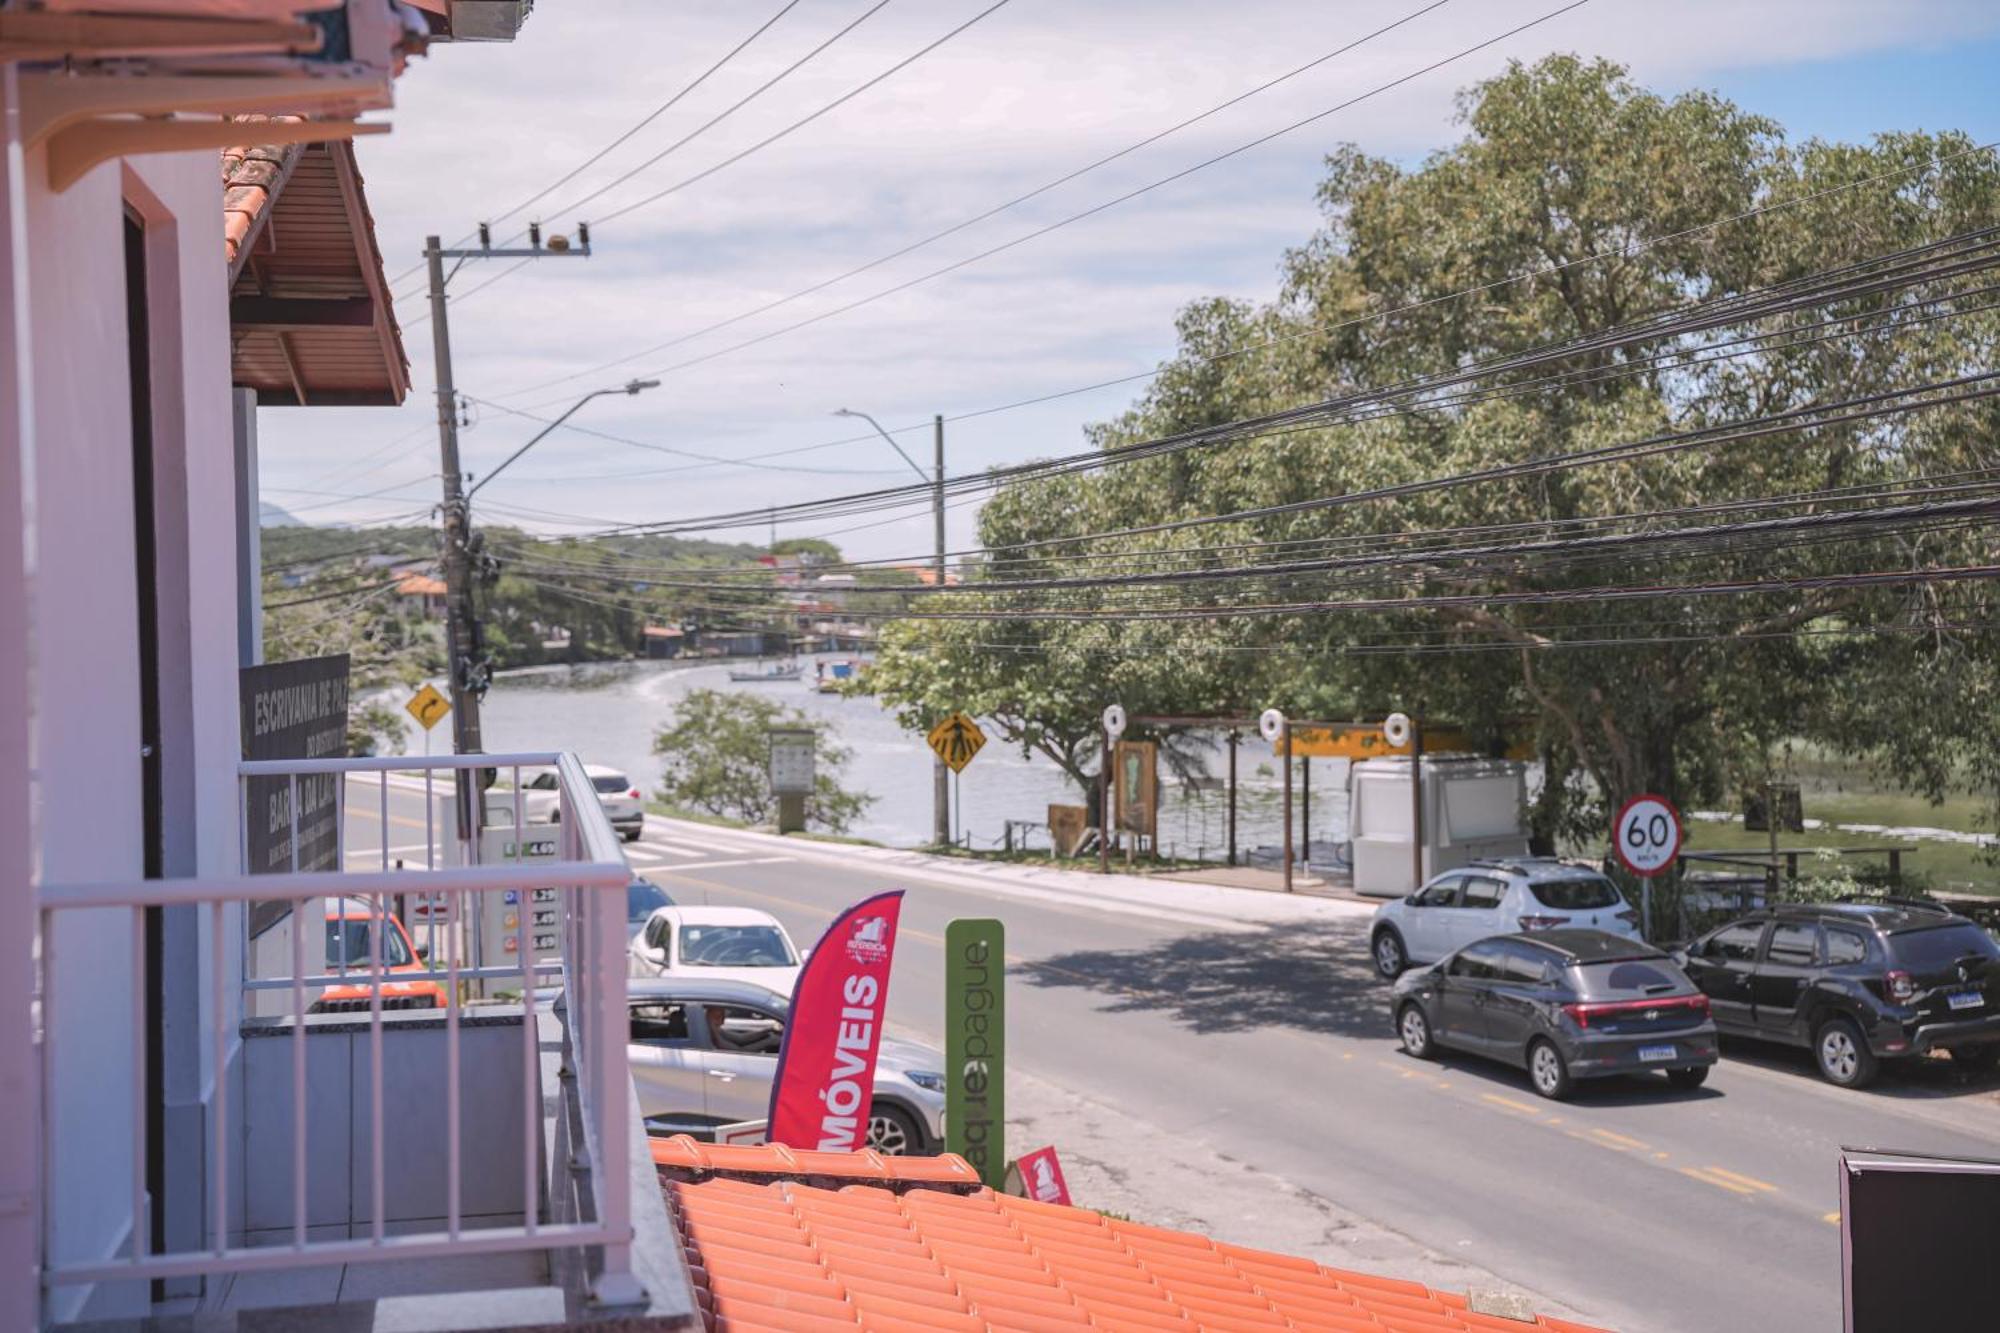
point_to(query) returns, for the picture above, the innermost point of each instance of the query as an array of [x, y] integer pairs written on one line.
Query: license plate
[[1965, 999], [1658, 1052]]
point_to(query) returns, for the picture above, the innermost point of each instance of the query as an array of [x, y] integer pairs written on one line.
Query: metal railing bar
[[47, 989], [299, 906], [453, 999], [140, 1213], [250, 1259], [219, 1149], [384, 812], [379, 1132], [327, 980], [202, 889], [277, 768], [531, 1074]]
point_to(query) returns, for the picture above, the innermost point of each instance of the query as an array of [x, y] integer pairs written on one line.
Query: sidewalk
[[1215, 906]]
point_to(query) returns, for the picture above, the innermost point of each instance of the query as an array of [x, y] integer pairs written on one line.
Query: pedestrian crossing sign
[[956, 739], [428, 707]]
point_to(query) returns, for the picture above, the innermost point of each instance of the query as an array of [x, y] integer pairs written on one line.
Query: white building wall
[[85, 693]]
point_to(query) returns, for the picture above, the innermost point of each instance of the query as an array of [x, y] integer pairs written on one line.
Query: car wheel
[[1687, 1080], [892, 1131], [629, 835], [1415, 1030], [1391, 958], [1843, 1055], [1548, 1071]]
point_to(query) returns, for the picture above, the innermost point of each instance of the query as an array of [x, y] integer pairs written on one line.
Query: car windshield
[[1628, 979], [611, 783], [1941, 946], [1582, 894], [642, 898], [352, 936], [735, 946]]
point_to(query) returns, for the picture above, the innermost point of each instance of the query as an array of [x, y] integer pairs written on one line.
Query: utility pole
[[940, 777], [464, 644]]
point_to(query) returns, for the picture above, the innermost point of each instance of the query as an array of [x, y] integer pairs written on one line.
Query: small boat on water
[[774, 673], [828, 677]]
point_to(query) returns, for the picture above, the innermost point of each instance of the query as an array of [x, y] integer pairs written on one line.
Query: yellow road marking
[[401, 821], [1833, 1217], [1720, 1182], [1512, 1105], [1621, 1141], [1748, 1182]]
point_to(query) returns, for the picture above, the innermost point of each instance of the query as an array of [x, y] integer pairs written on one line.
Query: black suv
[[1855, 982]]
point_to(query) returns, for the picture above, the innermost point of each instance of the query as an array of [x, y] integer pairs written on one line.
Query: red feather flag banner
[[826, 1066]]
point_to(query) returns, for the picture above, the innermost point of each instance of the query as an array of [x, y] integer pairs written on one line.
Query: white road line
[[669, 849], [745, 861]]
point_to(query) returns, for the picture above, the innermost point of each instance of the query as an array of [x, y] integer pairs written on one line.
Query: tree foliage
[[717, 760], [1574, 203]]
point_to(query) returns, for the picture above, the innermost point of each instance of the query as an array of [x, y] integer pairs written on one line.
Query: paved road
[[1644, 1209]]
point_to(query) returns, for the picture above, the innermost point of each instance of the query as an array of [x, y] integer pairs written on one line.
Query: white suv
[[541, 800], [1463, 906]]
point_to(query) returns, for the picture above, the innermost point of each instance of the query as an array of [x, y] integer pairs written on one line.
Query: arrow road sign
[[956, 740], [428, 707]]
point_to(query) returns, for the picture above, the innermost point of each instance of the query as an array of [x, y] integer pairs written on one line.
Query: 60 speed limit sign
[[1647, 835]]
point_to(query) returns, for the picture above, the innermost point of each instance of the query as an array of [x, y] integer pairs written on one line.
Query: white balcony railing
[[565, 934]]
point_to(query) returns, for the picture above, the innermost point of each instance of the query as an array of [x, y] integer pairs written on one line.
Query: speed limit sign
[[1647, 835]]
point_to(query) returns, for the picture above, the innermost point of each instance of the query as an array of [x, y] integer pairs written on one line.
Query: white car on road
[[1466, 905], [541, 800], [704, 1053], [718, 943]]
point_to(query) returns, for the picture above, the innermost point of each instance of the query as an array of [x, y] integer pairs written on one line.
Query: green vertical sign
[[975, 1045]]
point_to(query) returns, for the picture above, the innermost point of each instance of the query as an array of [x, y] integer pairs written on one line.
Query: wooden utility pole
[[940, 775], [1233, 738]]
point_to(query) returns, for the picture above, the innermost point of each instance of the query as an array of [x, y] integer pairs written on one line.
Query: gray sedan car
[[704, 1054], [1564, 1005]]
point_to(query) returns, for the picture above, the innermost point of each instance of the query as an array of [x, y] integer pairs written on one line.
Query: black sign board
[[292, 710], [1917, 1237]]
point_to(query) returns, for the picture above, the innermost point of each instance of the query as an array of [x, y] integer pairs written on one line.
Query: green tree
[[717, 749], [1575, 203]]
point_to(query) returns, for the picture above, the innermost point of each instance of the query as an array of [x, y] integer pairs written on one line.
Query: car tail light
[[1629, 917], [635, 793], [1902, 986], [1581, 1012], [1543, 922]]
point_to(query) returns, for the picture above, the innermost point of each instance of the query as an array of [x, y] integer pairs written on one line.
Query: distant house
[[664, 641], [424, 592]]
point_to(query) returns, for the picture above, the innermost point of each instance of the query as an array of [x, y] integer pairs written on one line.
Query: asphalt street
[[1643, 1208]]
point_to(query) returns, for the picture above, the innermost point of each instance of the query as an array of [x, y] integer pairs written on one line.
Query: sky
[[1025, 95]]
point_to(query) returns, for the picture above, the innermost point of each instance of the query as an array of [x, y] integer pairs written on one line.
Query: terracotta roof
[[664, 632], [419, 585], [779, 1239], [310, 315]]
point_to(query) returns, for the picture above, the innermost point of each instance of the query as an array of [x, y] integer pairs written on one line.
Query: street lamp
[[629, 387], [940, 780], [468, 668]]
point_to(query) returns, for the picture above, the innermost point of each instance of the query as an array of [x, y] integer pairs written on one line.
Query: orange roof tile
[[419, 585], [782, 1239]]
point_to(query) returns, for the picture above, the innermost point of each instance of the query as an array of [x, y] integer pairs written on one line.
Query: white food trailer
[[1472, 808]]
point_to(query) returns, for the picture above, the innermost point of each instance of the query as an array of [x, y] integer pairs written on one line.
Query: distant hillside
[[274, 516]]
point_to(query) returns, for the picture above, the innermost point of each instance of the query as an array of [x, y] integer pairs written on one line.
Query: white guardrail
[[579, 891]]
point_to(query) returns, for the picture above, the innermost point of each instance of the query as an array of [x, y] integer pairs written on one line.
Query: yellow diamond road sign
[[956, 740], [428, 707]]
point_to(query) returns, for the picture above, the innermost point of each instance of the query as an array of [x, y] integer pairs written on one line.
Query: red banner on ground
[[1042, 1176], [826, 1066]]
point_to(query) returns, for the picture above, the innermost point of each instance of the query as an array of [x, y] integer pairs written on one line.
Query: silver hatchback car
[[1518, 895]]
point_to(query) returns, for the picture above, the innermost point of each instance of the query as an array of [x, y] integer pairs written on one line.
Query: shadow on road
[[1923, 1079], [1312, 977], [1617, 1090]]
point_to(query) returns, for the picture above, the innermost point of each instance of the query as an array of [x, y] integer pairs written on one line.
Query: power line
[[1017, 200], [1704, 316], [1086, 213], [673, 101]]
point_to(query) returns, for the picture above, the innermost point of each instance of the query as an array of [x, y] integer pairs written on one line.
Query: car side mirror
[[423, 953]]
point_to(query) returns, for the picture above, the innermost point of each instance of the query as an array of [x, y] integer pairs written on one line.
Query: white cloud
[[1031, 92]]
